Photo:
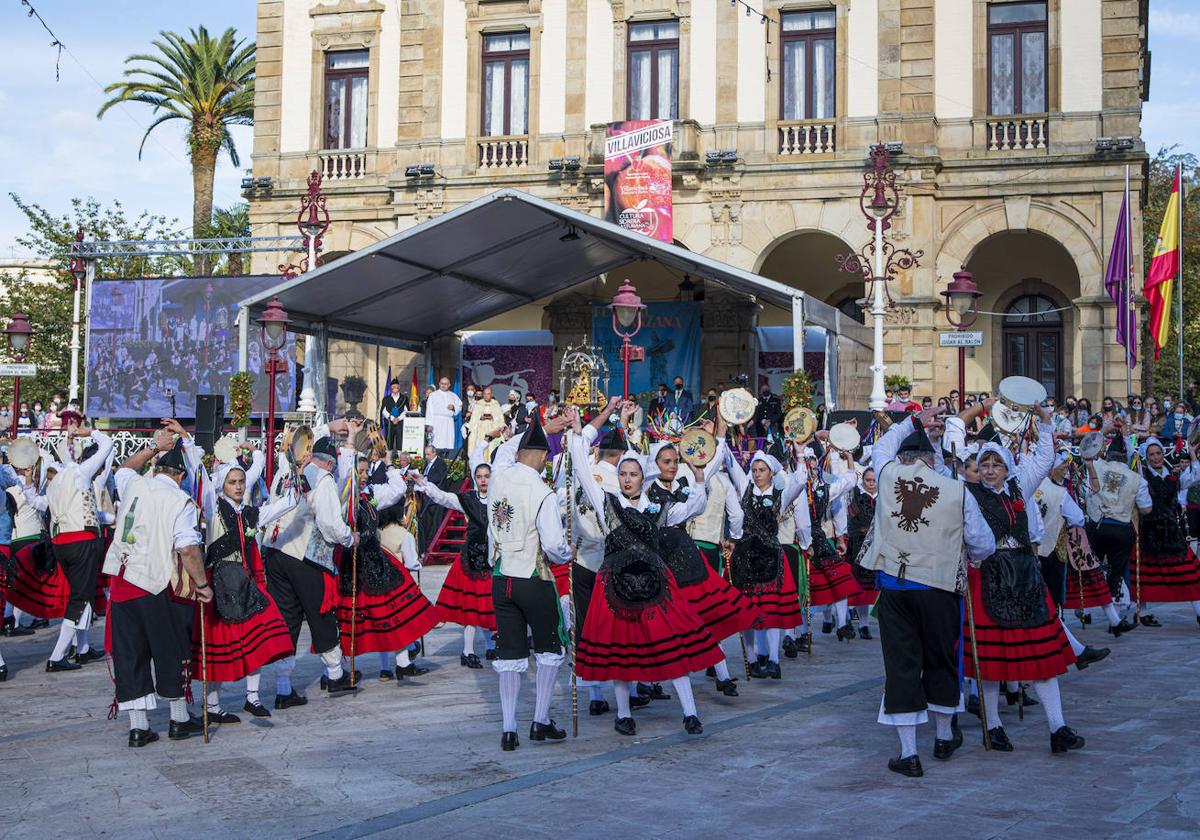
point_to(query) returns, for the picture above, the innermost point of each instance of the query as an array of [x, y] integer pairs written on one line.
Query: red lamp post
[[627, 310], [19, 333], [962, 308], [274, 323]]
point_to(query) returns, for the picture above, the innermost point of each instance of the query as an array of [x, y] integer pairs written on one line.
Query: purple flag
[[1118, 283]]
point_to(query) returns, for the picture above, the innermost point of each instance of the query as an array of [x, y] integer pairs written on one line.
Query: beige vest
[[786, 533], [514, 498], [586, 534], [291, 532], [1118, 493], [144, 543], [709, 526], [28, 522], [71, 509], [918, 526], [1049, 498]]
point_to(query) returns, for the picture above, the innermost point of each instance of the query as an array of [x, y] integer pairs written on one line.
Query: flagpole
[[1179, 322], [1127, 292]]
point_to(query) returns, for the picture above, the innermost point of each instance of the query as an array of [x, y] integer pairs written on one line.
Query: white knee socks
[[774, 640], [333, 662], [138, 720], [908, 740], [622, 689], [722, 669], [1051, 700], [468, 640], [546, 675], [683, 690], [941, 722], [283, 675], [385, 660], [1110, 610], [214, 700], [760, 643], [990, 698], [843, 612], [252, 687], [402, 660], [179, 711], [510, 687], [1076, 646], [594, 693], [66, 635], [81, 630]]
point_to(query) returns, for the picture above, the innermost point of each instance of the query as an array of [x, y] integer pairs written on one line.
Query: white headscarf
[[770, 460], [650, 465], [222, 472], [1147, 443], [1002, 451]]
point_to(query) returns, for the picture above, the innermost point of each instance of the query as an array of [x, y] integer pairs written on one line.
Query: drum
[[844, 436], [799, 425], [1017, 397], [697, 447], [737, 406], [23, 453]]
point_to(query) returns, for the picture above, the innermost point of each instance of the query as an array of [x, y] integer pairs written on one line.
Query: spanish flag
[[1164, 270], [414, 396]]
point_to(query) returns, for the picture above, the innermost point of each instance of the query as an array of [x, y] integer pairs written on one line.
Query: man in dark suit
[[431, 514], [769, 414], [680, 402]]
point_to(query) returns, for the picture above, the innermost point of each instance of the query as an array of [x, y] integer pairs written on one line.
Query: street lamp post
[[878, 261], [312, 221], [274, 323], [79, 273], [962, 308], [627, 310], [19, 334]]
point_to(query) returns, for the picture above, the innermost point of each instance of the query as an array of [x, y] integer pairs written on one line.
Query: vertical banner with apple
[[637, 176]]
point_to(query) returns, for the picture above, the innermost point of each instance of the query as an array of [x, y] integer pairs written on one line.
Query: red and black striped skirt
[[387, 622], [1036, 653], [722, 608], [832, 581], [467, 600], [1091, 584], [42, 596], [1158, 579]]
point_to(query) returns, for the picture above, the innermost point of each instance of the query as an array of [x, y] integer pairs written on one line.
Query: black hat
[[917, 442], [395, 381], [534, 437], [172, 459], [1116, 449], [613, 440], [90, 450], [325, 446]]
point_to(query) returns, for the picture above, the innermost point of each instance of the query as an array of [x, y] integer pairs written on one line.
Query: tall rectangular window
[[506, 84], [808, 65], [346, 79], [1017, 57], [653, 74]]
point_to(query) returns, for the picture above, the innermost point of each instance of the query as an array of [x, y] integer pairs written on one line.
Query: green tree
[[47, 301], [230, 221], [207, 82], [1162, 376]]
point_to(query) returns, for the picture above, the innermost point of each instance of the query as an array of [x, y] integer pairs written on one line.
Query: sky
[[52, 147]]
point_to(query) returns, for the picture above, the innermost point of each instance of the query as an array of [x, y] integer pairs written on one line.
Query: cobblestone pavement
[[792, 758]]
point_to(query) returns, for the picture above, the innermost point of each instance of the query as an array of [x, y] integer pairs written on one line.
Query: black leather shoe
[[691, 725], [180, 730], [804, 643], [341, 684], [637, 701], [760, 671], [973, 705], [39, 624], [324, 683], [256, 709], [469, 660], [1150, 621], [546, 732], [1090, 655], [598, 707], [710, 671], [761, 661], [1013, 697], [910, 766], [1124, 627], [728, 687], [625, 726], [92, 655], [846, 632], [864, 632], [509, 742], [223, 717], [410, 670], [773, 671], [142, 737], [826, 627], [11, 628], [61, 665], [490, 654], [3, 673], [1065, 738], [999, 739], [789, 647], [1084, 618], [386, 676], [656, 691], [942, 750], [287, 701]]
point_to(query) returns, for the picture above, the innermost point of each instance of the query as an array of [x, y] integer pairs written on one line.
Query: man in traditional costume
[[441, 407], [391, 415]]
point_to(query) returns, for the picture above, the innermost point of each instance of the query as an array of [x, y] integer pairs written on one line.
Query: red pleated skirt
[[42, 596], [779, 609], [388, 622], [234, 651], [830, 582], [1164, 579], [466, 600], [1037, 653], [1094, 589], [722, 608], [665, 641]]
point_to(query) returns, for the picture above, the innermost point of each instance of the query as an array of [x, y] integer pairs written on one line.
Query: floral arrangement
[[241, 393], [897, 381], [797, 391]]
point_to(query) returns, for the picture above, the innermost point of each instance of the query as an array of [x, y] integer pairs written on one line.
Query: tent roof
[[485, 258]]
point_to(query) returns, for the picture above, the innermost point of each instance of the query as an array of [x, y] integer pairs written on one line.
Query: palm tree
[[233, 220], [207, 82]]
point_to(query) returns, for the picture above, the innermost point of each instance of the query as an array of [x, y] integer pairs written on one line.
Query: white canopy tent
[[485, 258]]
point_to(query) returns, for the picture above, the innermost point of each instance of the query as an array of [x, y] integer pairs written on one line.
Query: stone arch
[[804, 259]]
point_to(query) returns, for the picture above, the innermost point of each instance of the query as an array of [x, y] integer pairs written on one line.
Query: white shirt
[[183, 532], [86, 472], [326, 505], [440, 409]]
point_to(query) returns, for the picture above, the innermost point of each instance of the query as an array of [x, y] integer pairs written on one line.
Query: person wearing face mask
[[679, 402], [1168, 570], [640, 626], [1139, 417], [487, 419], [768, 417], [1178, 423]]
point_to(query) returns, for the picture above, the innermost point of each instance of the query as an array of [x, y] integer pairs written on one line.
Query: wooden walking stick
[[566, 465], [204, 671], [983, 722], [353, 608]]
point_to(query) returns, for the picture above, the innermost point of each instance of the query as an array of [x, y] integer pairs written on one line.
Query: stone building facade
[[1016, 122]]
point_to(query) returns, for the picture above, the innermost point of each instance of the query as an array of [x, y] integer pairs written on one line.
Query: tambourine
[[225, 450], [1091, 445], [799, 425], [1017, 398], [844, 436], [697, 447], [23, 453], [301, 443], [737, 406]]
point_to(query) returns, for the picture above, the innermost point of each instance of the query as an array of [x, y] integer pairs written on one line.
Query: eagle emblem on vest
[[502, 515], [914, 497], [1113, 481]]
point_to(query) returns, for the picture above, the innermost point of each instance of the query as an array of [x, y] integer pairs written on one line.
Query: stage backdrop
[[637, 176], [671, 335], [775, 358], [507, 360], [149, 335]]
